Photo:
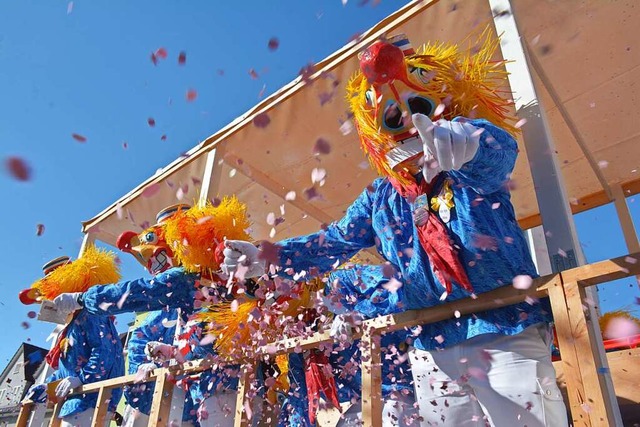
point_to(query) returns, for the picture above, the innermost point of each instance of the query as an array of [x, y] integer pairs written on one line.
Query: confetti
[[191, 95], [291, 195], [69, 8], [18, 168], [31, 315], [520, 123], [318, 175], [161, 53], [261, 120], [151, 190], [163, 138], [273, 44], [182, 58], [602, 164], [39, 229], [151, 122], [321, 146], [125, 145], [393, 285], [254, 74], [620, 327], [346, 128], [79, 138], [522, 281]]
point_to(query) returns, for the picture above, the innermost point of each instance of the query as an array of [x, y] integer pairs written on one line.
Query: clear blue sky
[[84, 67]]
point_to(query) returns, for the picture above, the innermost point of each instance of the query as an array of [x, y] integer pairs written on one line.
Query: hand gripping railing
[[579, 343]]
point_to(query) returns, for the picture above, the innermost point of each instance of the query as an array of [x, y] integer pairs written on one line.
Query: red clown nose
[[382, 62]]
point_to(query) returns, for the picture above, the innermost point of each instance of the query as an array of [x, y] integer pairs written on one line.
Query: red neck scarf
[[434, 238]]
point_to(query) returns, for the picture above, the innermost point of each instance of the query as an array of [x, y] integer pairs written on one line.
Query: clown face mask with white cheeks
[[395, 82], [149, 247]]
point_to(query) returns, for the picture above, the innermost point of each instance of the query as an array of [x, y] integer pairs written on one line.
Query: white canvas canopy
[[584, 58]]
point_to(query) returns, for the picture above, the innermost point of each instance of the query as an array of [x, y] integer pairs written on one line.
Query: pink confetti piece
[[312, 193], [271, 218], [125, 145], [520, 123], [318, 175], [182, 58], [25, 325], [39, 229], [151, 190], [18, 168], [69, 8], [31, 315], [439, 110], [79, 138], [522, 281], [393, 285], [191, 95], [253, 74], [620, 327], [151, 122], [161, 53], [234, 306], [262, 120], [495, 206], [273, 44], [290, 196], [321, 146], [602, 164], [163, 138], [346, 128]]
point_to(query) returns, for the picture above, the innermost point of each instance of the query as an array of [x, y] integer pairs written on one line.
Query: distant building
[[16, 379]]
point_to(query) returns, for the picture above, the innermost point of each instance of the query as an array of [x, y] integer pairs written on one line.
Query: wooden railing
[[584, 368]]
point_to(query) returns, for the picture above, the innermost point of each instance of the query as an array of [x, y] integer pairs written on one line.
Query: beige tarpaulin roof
[[586, 52]]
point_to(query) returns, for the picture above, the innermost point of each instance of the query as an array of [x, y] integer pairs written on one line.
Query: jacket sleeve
[[172, 289], [103, 347], [492, 165], [366, 289], [331, 247]]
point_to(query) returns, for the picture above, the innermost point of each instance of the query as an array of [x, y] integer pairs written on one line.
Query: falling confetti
[[291, 195], [151, 122], [262, 120], [39, 229], [125, 145], [182, 58], [18, 168], [161, 53], [602, 164], [520, 123], [522, 282], [321, 146], [318, 175], [191, 95], [151, 190], [69, 8], [274, 43], [163, 138], [253, 74], [346, 128], [31, 315], [79, 138], [621, 327]]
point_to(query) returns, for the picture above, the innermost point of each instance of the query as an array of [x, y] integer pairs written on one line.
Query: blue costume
[[94, 353], [491, 245]]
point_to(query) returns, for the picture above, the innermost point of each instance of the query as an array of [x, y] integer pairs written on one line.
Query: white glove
[[240, 253], [65, 386], [67, 303], [144, 371], [343, 325], [447, 145], [159, 352], [37, 393]]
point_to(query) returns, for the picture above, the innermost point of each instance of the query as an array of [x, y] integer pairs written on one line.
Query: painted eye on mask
[[150, 237], [421, 105], [423, 75], [392, 116]]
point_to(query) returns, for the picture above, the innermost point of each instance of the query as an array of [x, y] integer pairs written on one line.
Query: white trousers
[[134, 418], [395, 413], [83, 419], [496, 380]]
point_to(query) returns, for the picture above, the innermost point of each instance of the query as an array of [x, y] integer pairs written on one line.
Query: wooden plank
[[570, 365], [593, 369], [244, 382], [604, 271], [212, 174], [25, 412], [55, 420], [159, 414], [624, 216], [371, 368], [104, 395]]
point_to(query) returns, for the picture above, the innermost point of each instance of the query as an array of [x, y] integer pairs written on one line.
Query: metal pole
[[561, 238]]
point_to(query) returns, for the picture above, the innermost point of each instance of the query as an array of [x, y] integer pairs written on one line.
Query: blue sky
[[84, 67]]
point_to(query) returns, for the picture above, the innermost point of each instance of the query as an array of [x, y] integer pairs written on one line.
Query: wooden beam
[[624, 216], [102, 405], [371, 369], [87, 240], [212, 174], [55, 416], [159, 414], [244, 382], [593, 368], [570, 365], [604, 271], [585, 203], [25, 412]]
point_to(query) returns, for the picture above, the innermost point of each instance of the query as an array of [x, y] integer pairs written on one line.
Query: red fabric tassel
[[434, 239], [317, 381]]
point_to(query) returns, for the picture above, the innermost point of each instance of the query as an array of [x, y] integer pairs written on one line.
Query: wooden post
[[593, 368], [159, 414], [23, 416], [55, 420], [244, 382], [371, 378], [570, 365], [212, 174], [104, 395]]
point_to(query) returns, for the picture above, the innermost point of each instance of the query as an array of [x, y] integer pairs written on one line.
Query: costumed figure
[[157, 327], [183, 251], [441, 216], [88, 349]]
